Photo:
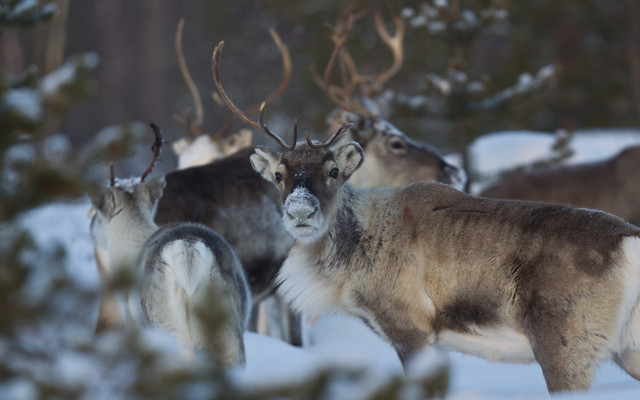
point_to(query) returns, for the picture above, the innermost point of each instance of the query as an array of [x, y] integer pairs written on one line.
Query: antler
[[393, 42], [229, 121], [343, 127], [342, 96], [339, 96], [155, 148], [215, 62], [194, 128]]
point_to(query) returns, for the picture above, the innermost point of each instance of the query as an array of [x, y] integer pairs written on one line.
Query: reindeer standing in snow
[[511, 281], [181, 269]]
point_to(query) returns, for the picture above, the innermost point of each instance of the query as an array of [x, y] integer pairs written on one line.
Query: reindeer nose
[[300, 205], [301, 212]]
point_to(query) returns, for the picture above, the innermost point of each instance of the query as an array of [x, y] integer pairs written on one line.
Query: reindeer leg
[[409, 331], [294, 323], [564, 370], [109, 316], [226, 346], [566, 353], [629, 358]]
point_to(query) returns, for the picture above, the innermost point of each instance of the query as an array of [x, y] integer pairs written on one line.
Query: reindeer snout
[[300, 206], [301, 212]]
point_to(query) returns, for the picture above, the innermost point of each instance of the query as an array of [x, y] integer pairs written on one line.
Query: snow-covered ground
[[339, 340]]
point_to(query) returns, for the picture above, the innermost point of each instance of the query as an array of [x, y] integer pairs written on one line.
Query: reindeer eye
[[278, 176], [397, 144], [334, 173]]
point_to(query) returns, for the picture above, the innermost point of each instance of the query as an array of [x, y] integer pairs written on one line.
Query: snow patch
[[51, 84], [66, 226], [25, 102], [18, 389], [128, 184]]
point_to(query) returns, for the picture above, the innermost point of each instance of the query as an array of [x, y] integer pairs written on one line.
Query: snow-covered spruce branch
[[527, 83]]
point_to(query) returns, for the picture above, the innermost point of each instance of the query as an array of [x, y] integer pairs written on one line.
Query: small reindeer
[[181, 270], [511, 281], [610, 185], [202, 146], [392, 158]]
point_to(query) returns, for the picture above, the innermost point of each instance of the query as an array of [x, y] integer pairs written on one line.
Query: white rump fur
[[181, 285], [190, 274]]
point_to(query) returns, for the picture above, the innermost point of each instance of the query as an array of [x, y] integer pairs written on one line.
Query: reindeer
[[512, 281], [608, 185], [392, 158], [182, 270]]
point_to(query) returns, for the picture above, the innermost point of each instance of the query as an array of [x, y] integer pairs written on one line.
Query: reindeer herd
[[372, 224]]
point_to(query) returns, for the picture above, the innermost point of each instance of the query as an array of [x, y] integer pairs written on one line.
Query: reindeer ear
[[154, 188], [265, 162], [349, 158], [103, 201]]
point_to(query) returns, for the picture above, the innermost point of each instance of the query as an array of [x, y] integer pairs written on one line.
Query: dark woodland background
[[593, 43], [593, 46]]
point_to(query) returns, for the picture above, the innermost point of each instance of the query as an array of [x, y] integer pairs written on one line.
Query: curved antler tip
[[217, 50], [262, 106]]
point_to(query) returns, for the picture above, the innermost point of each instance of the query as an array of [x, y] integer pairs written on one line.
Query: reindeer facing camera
[[511, 281], [185, 275]]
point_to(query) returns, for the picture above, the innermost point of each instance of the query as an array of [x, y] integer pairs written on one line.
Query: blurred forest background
[[593, 43], [471, 67]]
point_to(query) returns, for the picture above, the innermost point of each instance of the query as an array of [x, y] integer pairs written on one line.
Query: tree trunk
[[633, 50]]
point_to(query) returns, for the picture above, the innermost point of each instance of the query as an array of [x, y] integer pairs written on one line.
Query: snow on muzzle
[[302, 216]]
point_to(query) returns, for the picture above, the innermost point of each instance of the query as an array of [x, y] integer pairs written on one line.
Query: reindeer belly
[[500, 343]]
